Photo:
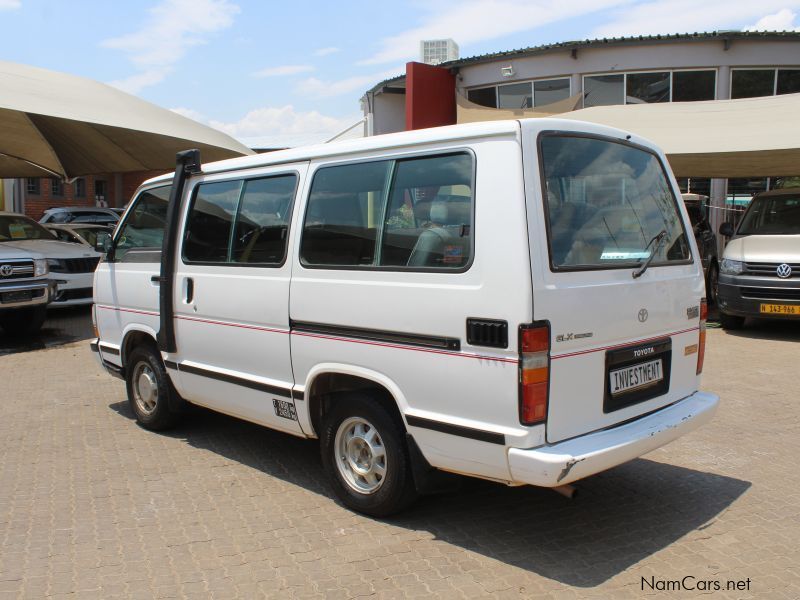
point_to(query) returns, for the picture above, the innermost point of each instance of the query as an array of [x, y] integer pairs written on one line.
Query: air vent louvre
[[487, 332]]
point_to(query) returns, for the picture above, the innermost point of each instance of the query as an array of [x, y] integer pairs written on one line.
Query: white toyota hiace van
[[520, 301]]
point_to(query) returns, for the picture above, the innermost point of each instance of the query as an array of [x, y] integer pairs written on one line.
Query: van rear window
[[609, 205]]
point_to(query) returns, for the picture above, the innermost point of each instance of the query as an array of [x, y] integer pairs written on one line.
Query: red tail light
[[534, 372], [701, 351]]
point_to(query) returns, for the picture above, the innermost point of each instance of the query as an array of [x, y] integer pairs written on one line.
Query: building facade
[[673, 68], [32, 196]]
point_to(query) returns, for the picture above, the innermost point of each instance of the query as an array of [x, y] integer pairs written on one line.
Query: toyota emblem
[[642, 315], [6, 270], [784, 271]]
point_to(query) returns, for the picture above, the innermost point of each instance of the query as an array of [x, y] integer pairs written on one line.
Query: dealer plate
[[635, 376], [780, 309]]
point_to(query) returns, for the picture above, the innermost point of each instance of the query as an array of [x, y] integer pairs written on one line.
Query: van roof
[[391, 140], [781, 192]]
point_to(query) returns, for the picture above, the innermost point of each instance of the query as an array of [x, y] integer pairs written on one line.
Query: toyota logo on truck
[[6, 270]]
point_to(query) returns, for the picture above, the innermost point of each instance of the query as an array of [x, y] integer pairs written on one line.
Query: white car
[[71, 265], [24, 290], [521, 301], [80, 233], [80, 214]]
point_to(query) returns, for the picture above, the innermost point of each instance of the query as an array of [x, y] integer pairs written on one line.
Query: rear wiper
[[656, 242]]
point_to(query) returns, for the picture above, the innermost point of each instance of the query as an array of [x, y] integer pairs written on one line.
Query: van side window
[[429, 221], [240, 221], [262, 223], [344, 211], [422, 221], [140, 236], [208, 227]]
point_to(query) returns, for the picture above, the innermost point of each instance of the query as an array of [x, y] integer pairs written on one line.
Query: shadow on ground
[[63, 326], [779, 330], [618, 518]]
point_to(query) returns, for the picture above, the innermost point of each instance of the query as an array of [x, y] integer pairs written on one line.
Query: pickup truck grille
[[788, 294], [769, 269], [76, 265], [16, 269]]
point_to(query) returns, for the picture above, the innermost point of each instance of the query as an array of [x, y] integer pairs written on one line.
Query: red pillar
[[430, 96]]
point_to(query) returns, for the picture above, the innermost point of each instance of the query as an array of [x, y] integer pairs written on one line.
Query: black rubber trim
[[467, 432], [298, 395], [108, 349], [379, 335], [114, 370], [93, 346], [187, 163], [248, 383], [171, 364]]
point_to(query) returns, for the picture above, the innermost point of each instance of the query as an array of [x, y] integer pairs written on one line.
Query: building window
[[80, 188], [100, 190], [603, 90], [549, 91], [751, 83], [526, 94], [646, 88], [484, 96], [515, 95], [33, 186], [788, 81], [690, 86], [56, 187]]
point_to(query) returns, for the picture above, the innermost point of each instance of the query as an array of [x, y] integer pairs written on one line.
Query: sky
[[260, 68]]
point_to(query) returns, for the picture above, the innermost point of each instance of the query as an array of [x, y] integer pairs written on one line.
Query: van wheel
[[731, 322], [149, 389], [23, 321], [365, 456]]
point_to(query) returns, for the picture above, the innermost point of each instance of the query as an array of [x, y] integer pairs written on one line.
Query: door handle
[[155, 280], [189, 290]]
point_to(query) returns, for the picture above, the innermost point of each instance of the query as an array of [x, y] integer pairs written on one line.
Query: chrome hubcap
[[145, 388], [360, 455]]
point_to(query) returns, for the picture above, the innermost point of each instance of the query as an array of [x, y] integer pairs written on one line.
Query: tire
[[149, 389], [712, 284], [370, 473], [730, 322], [23, 321]]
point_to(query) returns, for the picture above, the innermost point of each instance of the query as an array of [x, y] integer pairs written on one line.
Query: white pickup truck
[[25, 290]]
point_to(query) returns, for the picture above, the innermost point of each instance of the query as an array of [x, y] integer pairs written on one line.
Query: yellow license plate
[[780, 309]]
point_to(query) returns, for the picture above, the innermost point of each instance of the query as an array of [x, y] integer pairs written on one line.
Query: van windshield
[[778, 215], [609, 205]]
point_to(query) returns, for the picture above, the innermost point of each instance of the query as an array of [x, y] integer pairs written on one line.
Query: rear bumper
[[568, 461]]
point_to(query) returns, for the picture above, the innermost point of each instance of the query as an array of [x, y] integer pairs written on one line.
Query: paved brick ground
[[92, 506]]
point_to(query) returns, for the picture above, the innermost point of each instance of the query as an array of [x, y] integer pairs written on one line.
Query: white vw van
[[520, 301]]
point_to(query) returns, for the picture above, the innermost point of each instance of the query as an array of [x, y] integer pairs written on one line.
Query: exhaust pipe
[[568, 491]]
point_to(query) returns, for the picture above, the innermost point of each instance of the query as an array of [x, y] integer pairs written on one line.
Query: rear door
[[232, 295], [624, 340]]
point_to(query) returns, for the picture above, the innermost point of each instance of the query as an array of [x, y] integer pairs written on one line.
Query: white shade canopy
[[57, 124], [749, 137]]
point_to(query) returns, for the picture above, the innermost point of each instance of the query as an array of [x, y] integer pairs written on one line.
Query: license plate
[[21, 296], [635, 376], [780, 309]]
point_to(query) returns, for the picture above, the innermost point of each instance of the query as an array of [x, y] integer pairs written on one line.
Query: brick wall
[[36, 204]]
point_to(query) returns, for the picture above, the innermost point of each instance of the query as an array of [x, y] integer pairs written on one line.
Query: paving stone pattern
[[92, 506]]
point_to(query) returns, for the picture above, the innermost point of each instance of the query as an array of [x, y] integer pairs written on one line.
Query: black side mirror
[[102, 242], [726, 229]]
